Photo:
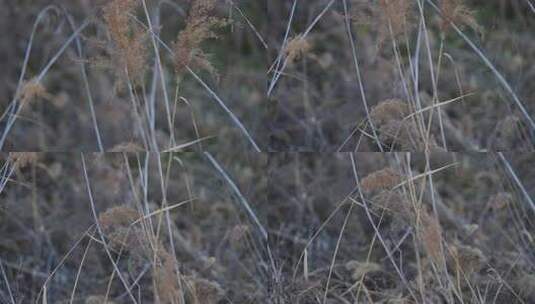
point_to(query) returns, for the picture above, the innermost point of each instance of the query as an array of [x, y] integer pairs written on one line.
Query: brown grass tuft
[[30, 91], [24, 159], [402, 135], [381, 15], [396, 130], [118, 217], [467, 259], [204, 291], [384, 179], [117, 223], [130, 50], [397, 14], [166, 278], [200, 26], [454, 11], [399, 204], [124, 237], [431, 236], [388, 110], [296, 48], [396, 202]]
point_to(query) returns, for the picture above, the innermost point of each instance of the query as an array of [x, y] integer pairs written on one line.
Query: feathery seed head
[[116, 224], [454, 11], [431, 236], [467, 258], [30, 91], [129, 39], [118, 217], [204, 291], [166, 278], [200, 26], [395, 130], [395, 202], [395, 15], [24, 159], [389, 109], [296, 48], [384, 179]]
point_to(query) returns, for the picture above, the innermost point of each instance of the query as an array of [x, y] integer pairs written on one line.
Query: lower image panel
[[267, 228]]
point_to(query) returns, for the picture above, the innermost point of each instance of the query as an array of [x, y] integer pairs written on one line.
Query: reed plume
[[296, 48], [454, 11], [120, 227], [200, 26], [395, 18], [129, 51], [397, 130]]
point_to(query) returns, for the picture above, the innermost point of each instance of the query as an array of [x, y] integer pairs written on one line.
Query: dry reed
[[396, 129], [24, 159], [200, 26], [129, 39], [454, 11], [431, 236], [465, 259], [31, 90], [384, 179], [396, 16], [296, 48], [395, 201], [118, 223]]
